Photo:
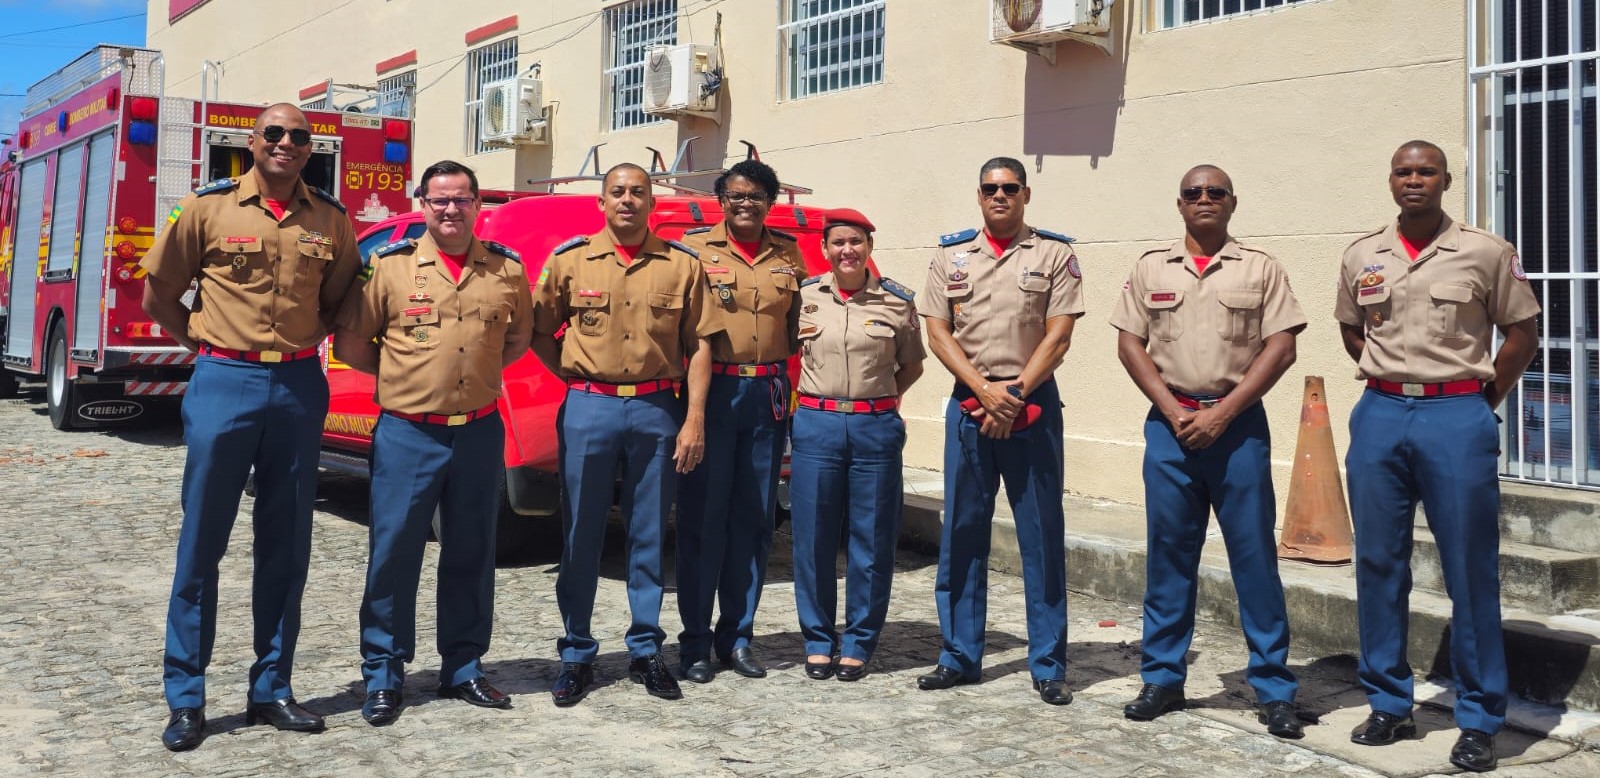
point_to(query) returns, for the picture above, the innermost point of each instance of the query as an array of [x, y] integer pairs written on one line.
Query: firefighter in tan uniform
[[635, 312], [436, 320], [1000, 304], [273, 259], [862, 349], [1418, 305], [1207, 327], [725, 506]]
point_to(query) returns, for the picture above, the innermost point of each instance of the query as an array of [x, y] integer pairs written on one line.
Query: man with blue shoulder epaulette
[[271, 260], [1000, 304], [436, 320]]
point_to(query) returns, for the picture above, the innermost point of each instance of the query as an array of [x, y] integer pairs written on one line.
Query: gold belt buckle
[[847, 406], [1414, 390], [627, 390], [270, 356], [456, 420], [749, 371]]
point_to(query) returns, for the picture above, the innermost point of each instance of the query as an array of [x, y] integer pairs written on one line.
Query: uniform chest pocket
[[1035, 290], [666, 310], [495, 316], [811, 343], [1165, 309], [1241, 315], [781, 295], [1452, 315], [593, 311], [960, 297], [1376, 307], [421, 327], [244, 260]]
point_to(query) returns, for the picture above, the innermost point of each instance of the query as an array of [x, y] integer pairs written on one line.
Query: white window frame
[[397, 95], [631, 29], [1182, 13], [486, 64], [849, 38]]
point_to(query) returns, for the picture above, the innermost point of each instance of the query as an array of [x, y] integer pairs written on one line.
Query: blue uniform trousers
[[235, 415], [724, 523], [601, 436], [1181, 487], [1443, 451], [845, 470], [418, 468], [1030, 461]]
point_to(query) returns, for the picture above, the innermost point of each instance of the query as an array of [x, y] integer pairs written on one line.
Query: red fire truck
[[100, 157]]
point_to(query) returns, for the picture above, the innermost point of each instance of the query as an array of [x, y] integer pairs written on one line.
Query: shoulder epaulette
[[782, 234], [219, 185], [334, 201], [580, 240], [1056, 236], [697, 231], [685, 249], [893, 287], [1369, 234], [390, 248], [503, 250], [953, 238], [811, 281]]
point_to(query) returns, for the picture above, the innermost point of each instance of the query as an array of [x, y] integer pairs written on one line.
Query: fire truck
[[100, 157]]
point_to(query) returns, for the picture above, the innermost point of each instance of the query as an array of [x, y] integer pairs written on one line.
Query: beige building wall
[[1302, 106]]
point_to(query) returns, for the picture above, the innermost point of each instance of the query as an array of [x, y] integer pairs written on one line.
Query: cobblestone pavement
[[89, 522]]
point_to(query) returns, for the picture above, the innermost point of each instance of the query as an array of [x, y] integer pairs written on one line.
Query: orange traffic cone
[[1316, 522]]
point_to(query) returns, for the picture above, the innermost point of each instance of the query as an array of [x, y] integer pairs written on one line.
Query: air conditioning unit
[[512, 113], [1034, 22], [681, 79]]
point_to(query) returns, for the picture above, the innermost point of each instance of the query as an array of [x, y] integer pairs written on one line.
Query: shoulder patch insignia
[[1516, 268], [1072, 266], [893, 287], [1055, 236], [697, 231], [953, 238], [580, 240], [503, 250], [219, 185], [386, 250], [329, 198], [812, 281], [782, 234], [685, 249]]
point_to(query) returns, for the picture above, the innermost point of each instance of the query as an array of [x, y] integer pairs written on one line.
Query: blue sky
[[28, 57]]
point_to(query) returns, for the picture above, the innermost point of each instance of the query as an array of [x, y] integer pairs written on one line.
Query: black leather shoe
[[1153, 701], [657, 680], [573, 683], [1381, 729], [1281, 720], [477, 692], [1054, 692], [699, 671], [744, 662], [851, 672], [941, 678], [819, 671], [186, 728], [285, 714], [1474, 751], [382, 707]]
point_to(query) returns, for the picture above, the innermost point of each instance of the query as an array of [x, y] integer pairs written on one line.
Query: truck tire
[[61, 395], [520, 539]]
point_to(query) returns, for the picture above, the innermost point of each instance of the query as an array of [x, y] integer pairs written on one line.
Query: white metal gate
[[1534, 166]]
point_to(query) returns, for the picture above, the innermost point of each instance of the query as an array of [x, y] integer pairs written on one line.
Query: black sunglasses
[[1191, 194], [1011, 190], [298, 136]]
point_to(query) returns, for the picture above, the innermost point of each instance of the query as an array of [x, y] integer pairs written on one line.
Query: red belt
[[1469, 386], [747, 371], [849, 406], [622, 390], [448, 420], [1194, 403], [256, 356]]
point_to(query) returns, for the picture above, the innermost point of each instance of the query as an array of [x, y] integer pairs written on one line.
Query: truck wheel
[[60, 394], [520, 539]]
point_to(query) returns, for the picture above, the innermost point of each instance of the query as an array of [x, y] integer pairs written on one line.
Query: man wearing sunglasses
[[1206, 328], [1000, 304], [436, 320], [272, 259]]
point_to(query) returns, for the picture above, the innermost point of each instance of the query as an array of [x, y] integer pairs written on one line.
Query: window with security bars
[[1180, 12], [1534, 164], [396, 95], [831, 45], [631, 29], [486, 65]]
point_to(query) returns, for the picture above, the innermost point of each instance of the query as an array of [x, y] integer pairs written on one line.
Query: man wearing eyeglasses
[[435, 319], [1000, 304], [1206, 328], [1418, 304], [272, 259], [725, 506]]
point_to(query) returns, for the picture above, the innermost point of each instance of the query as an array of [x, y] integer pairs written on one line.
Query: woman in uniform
[[861, 349]]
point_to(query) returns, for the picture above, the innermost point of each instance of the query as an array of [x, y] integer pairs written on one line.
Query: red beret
[[850, 216]]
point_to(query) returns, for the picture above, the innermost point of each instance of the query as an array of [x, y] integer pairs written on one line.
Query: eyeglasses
[[1011, 190], [739, 198], [444, 203], [1191, 194], [298, 136]]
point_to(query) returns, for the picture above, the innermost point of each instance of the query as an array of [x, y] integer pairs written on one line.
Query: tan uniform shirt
[[997, 306], [440, 339], [1431, 320], [1204, 329], [756, 300], [851, 349], [262, 282], [626, 323]]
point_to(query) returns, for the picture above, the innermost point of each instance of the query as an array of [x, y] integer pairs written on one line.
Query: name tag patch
[[237, 239], [1372, 290], [422, 310], [961, 287], [1163, 297], [590, 293]]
